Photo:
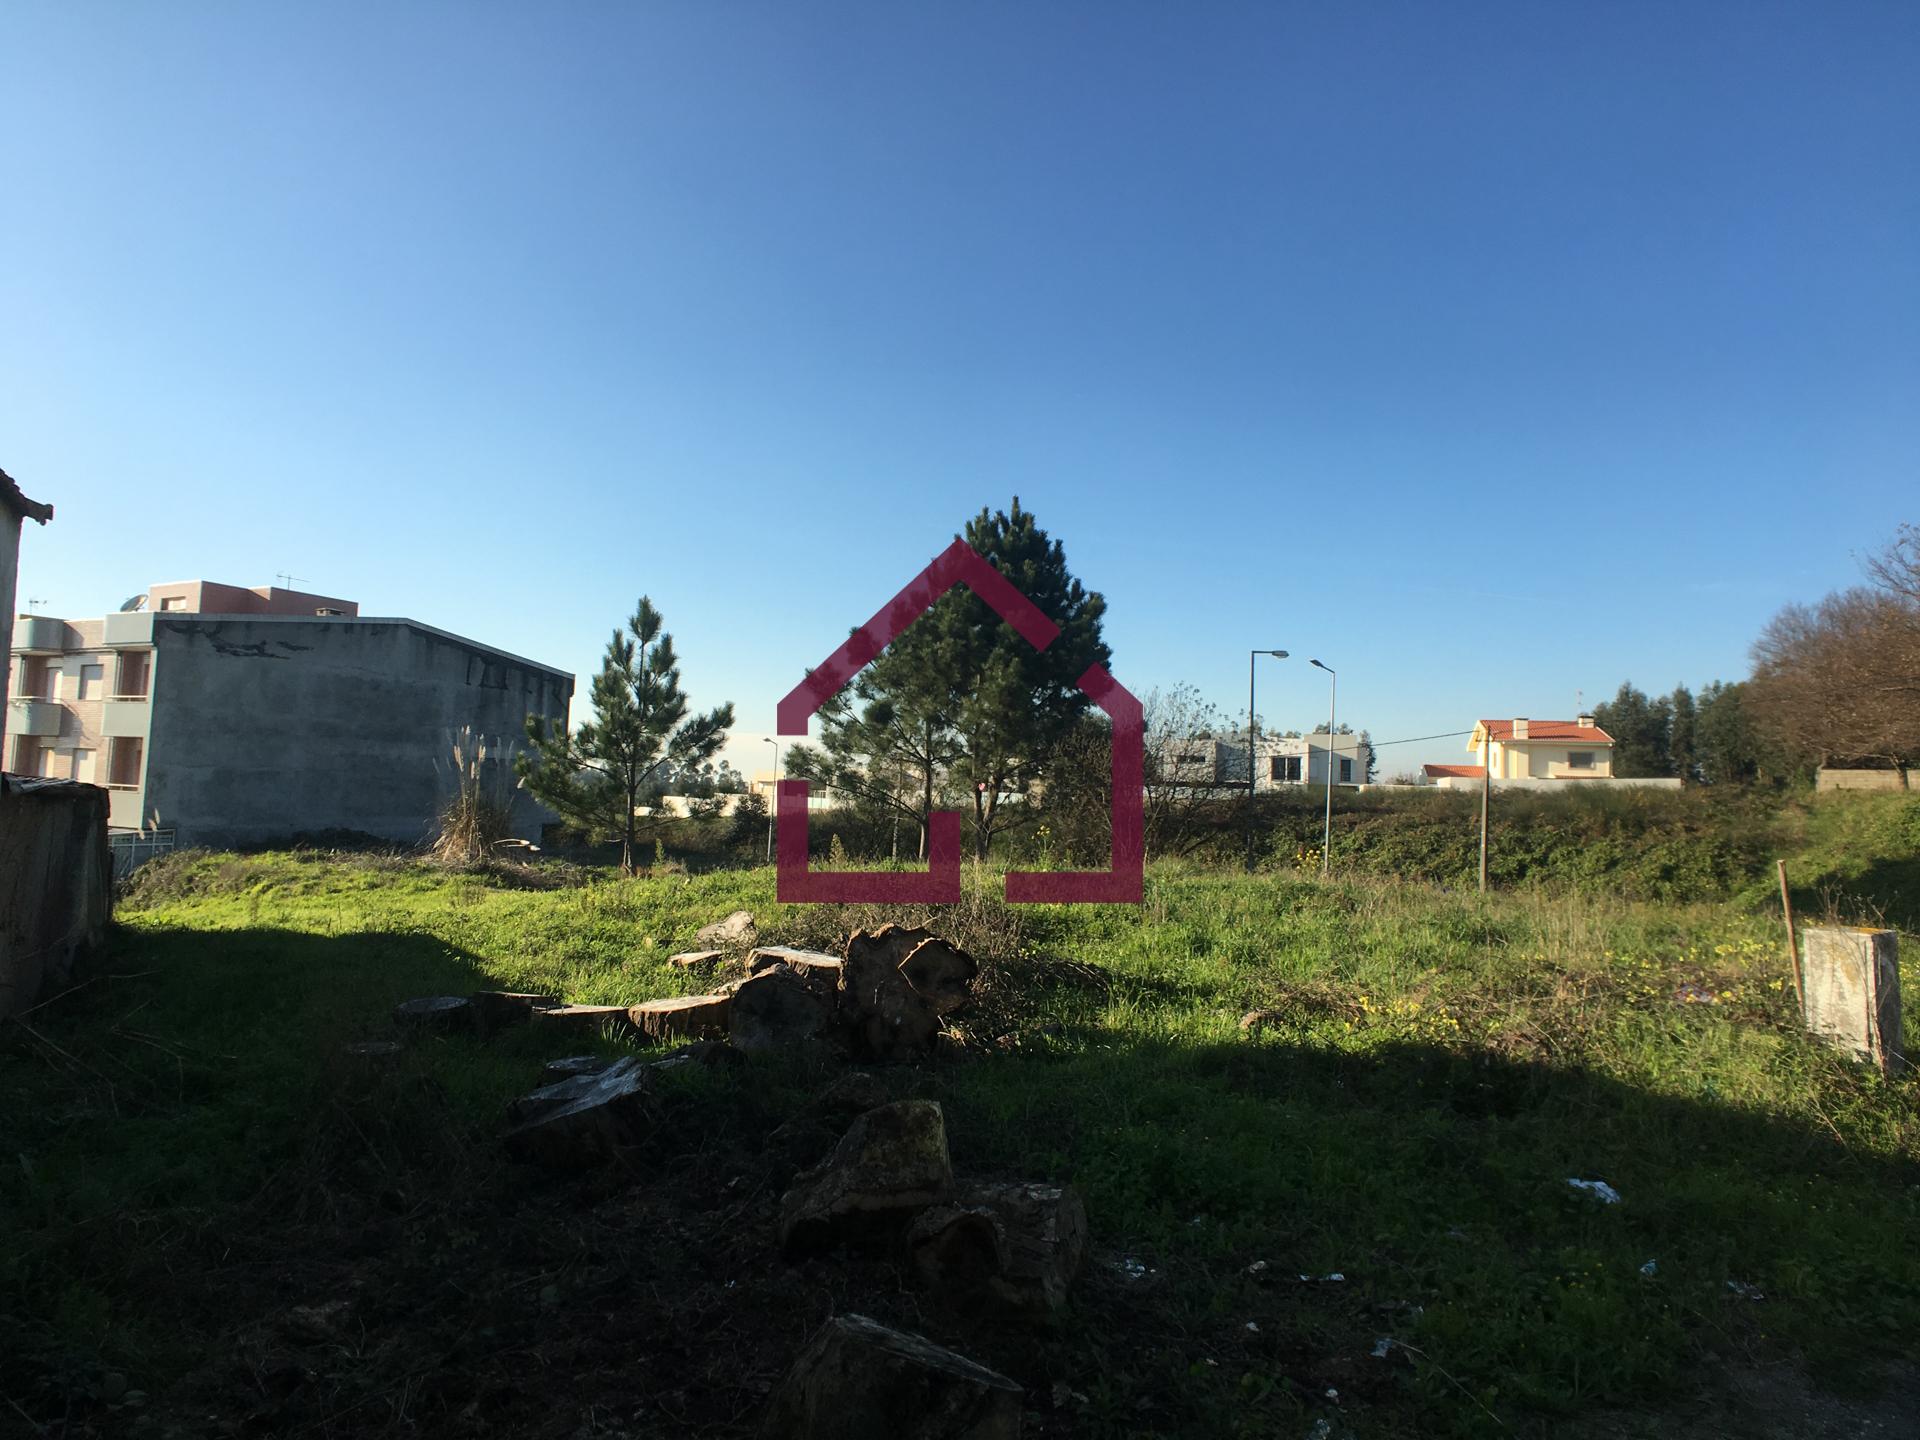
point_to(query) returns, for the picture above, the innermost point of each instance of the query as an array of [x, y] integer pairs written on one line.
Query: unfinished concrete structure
[[294, 715]]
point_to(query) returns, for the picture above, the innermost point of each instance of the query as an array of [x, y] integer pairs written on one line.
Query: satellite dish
[[133, 603]]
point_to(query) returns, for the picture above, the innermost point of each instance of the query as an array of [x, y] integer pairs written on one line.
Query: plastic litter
[[1650, 1269], [1599, 1189], [1383, 1347], [1322, 1279], [1746, 1291]]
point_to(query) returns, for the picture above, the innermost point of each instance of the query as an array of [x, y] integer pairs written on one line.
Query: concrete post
[[1852, 979]]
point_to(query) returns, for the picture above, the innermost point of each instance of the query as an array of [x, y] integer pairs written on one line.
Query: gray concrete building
[[296, 716]]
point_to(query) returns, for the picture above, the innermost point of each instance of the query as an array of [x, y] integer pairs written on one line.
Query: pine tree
[[596, 776], [1639, 728], [959, 699]]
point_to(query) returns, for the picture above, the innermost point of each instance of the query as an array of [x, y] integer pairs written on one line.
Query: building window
[[130, 681], [123, 762], [1579, 759], [1190, 758], [82, 769], [1346, 771], [92, 682], [38, 676], [1285, 769], [173, 602]]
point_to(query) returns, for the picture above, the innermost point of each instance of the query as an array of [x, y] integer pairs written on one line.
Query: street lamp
[[773, 800], [1253, 655], [1326, 838]]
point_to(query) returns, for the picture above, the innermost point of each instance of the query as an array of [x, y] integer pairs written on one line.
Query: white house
[[1536, 754]]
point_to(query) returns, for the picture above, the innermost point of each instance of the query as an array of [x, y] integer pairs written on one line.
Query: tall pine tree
[[959, 699], [597, 776]]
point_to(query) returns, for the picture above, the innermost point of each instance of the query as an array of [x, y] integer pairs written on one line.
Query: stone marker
[[860, 1380], [583, 1120], [736, 929], [777, 1008], [587, 1019], [435, 1012], [1851, 976], [683, 1017], [692, 959], [890, 1165], [501, 1009]]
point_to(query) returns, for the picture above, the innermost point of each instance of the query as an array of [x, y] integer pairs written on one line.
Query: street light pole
[[773, 801], [1326, 836], [1253, 655]]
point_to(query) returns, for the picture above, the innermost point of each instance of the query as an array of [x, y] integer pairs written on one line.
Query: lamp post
[[773, 801], [1326, 835], [1253, 655]]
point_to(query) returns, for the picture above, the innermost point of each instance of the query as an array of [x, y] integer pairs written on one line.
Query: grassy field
[[209, 1226]]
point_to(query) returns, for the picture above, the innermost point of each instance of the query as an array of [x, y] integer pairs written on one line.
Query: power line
[[1416, 739]]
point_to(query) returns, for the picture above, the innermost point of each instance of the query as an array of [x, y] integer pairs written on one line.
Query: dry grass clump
[[479, 813]]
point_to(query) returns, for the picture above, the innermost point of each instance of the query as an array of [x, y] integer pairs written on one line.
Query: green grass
[[1436, 1068]]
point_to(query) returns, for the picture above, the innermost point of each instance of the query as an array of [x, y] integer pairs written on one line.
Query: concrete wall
[[265, 726], [55, 886], [9, 575], [1608, 782], [1860, 780]]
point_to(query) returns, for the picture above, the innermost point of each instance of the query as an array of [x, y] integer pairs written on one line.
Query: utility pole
[[1486, 795]]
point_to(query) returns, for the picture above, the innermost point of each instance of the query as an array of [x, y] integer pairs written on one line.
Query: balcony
[[132, 627], [40, 633], [28, 716], [127, 719]]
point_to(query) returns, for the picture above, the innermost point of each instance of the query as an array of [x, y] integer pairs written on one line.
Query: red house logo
[[939, 883]]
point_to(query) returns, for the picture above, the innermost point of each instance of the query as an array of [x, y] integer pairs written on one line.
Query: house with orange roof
[[1524, 749]]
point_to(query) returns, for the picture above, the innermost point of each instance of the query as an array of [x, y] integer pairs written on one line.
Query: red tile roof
[[1455, 772], [1558, 730]]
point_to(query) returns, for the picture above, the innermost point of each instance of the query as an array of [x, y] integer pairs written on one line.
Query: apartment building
[[273, 712]]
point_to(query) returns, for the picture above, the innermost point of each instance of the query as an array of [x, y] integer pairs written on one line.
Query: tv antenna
[[289, 578], [33, 605]]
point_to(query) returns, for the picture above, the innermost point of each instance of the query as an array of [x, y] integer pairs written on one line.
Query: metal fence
[[135, 848]]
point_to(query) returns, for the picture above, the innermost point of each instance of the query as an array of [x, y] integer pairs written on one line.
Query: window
[[131, 681], [82, 767], [1285, 768], [92, 682], [123, 762], [1192, 757], [173, 602], [1579, 759], [1346, 771], [37, 679]]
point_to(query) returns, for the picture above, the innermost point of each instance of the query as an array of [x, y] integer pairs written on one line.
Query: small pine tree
[[597, 776]]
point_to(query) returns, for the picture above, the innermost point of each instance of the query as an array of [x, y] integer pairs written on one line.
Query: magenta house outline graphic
[[939, 884]]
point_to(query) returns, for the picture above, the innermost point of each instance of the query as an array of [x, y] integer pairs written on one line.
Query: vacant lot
[[209, 1226]]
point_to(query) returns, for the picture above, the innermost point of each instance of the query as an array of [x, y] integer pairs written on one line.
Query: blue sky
[[1490, 353]]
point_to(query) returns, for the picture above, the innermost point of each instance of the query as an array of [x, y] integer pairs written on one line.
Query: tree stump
[[439, 1013], [887, 1018], [584, 1120], [777, 1008], [502, 1009], [1014, 1246], [686, 1017]]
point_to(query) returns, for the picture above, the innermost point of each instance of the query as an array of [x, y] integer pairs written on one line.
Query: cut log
[[502, 1009], [860, 1380], [887, 1018], [777, 1008], [710, 1053], [890, 1165], [736, 929], [686, 1017], [940, 974], [694, 959], [435, 1012], [583, 1120], [1014, 1246], [585, 1019], [816, 966]]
